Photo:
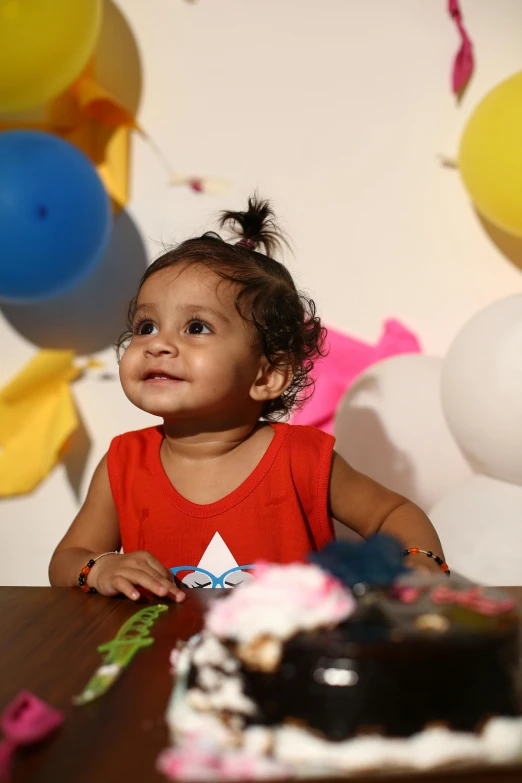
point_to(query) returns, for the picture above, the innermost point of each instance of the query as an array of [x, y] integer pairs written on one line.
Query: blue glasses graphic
[[214, 581]]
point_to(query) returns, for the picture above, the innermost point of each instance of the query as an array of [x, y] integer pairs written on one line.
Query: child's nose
[[162, 345]]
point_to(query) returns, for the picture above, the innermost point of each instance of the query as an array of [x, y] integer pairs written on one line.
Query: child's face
[[191, 353]]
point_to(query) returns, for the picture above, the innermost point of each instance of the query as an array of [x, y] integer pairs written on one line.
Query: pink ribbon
[[464, 63], [25, 721]]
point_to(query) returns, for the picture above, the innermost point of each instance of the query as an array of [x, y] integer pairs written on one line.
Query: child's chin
[[163, 412]]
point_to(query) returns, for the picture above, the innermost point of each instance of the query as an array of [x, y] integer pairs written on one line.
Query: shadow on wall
[[75, 455], [378, 458], [89, 318], [509, 245]]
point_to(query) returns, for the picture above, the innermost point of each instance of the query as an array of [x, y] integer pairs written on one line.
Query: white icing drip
[[222, 690], [210, 678], [211, 652], [230, 666], [228, 696]]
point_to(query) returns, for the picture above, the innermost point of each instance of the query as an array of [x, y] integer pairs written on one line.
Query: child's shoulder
[[304, 439], [133, 452], [148, 436], [307, 432]]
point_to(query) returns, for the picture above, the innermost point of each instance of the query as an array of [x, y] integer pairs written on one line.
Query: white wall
[[335, 109]]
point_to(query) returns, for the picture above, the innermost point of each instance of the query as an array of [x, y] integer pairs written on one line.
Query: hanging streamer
[[464, 63]]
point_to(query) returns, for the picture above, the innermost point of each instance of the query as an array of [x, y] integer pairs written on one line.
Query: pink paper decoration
[[463, 64], [25, 721], [346, 359]]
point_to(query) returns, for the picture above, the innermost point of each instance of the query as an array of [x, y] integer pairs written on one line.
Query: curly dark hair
[[289, 331]]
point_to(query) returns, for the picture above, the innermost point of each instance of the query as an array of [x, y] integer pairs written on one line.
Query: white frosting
[[281, 601], [257, 740], [503, 739], [185, 721], [210, 652], [227, 696], [209, 678], [500, 742], [218, 687]]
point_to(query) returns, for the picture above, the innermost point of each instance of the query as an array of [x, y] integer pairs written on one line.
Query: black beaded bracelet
[[83, 576], [414, 550], [84, 573]]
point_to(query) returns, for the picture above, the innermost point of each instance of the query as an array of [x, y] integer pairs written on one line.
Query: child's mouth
[[159, 377]]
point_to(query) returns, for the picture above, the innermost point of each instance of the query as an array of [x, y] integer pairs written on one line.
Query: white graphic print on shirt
[[217, 568]]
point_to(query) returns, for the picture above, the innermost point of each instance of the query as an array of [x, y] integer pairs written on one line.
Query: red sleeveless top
[[278, 514]]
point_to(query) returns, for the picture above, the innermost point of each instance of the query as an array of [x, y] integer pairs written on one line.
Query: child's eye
[[145, 328], [198, 327]]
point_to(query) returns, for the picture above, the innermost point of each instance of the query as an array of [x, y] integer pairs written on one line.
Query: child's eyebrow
[[187, 309], [199, 308], [145, 306]]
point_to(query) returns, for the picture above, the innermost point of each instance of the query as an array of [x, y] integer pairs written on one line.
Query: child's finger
[[157, 566], [173, 592], [125, 587], [144, 578], [164, 576], [161, 575], [176, 594]]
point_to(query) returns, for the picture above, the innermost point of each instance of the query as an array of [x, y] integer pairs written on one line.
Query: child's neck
[[206, 466], [199, 442]]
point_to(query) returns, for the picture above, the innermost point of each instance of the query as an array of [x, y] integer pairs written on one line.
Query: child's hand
[[123, 573]]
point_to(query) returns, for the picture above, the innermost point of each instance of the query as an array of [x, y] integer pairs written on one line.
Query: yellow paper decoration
[[37, 417]]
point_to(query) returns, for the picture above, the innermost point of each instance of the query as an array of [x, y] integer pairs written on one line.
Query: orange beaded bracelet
[[414, 550], [86, 570]]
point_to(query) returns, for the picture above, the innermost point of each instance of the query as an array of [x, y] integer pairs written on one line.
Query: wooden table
[[48, 640]]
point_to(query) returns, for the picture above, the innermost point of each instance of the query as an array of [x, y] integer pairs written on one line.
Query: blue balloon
[[55, 216]]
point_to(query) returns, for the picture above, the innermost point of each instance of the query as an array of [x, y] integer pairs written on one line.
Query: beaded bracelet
[[86, 570], [414, 550]]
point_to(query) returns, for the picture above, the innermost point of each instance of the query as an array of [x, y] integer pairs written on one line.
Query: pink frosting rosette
[[280, 601]]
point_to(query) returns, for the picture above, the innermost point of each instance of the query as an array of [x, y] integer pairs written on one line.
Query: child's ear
[[271, 381]]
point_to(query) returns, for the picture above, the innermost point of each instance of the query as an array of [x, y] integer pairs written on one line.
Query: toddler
[[220, 345]]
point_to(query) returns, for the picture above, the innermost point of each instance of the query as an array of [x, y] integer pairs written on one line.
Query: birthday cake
[[316, 669]]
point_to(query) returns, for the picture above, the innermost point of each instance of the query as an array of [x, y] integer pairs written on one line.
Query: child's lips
[[161, 377]]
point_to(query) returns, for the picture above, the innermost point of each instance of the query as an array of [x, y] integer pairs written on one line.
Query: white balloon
[[482, 390], [390, 426], [480, 527]]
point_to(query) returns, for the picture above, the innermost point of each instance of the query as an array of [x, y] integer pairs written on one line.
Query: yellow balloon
[[44, 46], [490, 156]]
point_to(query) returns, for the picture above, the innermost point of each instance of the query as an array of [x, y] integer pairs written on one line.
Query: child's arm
[[96, 530], [369, 508]]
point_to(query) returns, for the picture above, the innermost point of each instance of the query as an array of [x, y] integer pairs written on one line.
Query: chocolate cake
[[393, 668], [296, 667]]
